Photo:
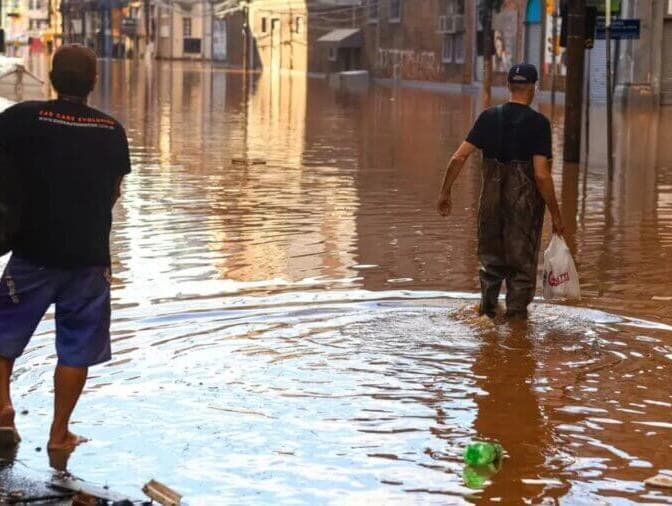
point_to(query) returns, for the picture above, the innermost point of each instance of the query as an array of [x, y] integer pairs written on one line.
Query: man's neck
[[521, 101], [73, 99]]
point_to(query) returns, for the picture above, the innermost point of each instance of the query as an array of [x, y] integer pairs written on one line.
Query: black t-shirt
[[69, 157], [525, 133]]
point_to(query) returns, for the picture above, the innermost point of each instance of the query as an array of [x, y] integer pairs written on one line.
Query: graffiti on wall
[[409, 64]]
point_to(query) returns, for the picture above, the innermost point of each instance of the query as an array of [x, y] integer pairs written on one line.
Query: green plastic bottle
[[475, 478], [482, 454]]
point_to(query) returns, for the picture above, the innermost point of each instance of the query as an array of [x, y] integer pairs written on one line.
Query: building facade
[[442, 40], [96, 24], [184, 30], [643, 66], [285, 35], [30, 25]]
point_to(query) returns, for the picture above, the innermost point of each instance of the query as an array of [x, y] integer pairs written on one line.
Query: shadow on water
[[282, 330]]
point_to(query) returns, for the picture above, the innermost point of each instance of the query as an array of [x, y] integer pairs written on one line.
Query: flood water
[[289, 312]]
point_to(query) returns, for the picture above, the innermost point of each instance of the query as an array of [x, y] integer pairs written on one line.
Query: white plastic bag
[[561, 281]]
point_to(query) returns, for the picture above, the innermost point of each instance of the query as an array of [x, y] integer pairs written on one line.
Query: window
[[395, 11], [447, 52], [333, 54], [455, 7], [453, 48], [373, 10], [454, 34], [298, 25], [191, 46], [458, 48], [264, 25], [186, 27]]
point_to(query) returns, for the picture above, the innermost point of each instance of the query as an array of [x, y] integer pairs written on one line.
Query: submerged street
[[291, 317]]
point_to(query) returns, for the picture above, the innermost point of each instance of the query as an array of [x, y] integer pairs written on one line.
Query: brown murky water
[[289, 323]]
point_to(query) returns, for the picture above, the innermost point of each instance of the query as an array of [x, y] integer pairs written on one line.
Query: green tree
[[486, 10]]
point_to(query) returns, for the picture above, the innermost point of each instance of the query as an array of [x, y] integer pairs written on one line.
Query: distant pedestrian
[[71, 160], [517, 154]]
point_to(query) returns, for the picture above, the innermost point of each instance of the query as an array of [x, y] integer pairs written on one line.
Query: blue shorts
[[82, 299]]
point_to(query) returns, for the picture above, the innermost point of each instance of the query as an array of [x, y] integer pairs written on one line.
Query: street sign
[[620, 28], [129, 26]]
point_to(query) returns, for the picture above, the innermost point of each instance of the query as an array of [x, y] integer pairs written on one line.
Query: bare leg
[[6, 408], [68, 385], [9, 437]]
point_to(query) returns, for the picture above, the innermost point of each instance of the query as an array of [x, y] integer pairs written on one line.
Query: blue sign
[[620, 28]]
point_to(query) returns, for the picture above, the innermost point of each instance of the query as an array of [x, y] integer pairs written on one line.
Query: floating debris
[[162, 494]]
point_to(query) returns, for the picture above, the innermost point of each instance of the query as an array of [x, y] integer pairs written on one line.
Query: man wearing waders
[[516, 145]]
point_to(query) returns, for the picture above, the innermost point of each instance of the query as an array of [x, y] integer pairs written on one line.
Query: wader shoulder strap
[[500, 133]]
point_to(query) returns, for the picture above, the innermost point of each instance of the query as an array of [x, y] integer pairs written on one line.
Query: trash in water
[[162, 494], [478, 477], [483, 453], [660, 481], [246, 161], [483, 460]]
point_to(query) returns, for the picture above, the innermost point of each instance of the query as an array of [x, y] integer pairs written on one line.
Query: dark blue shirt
[[69, 157], [524, 133]]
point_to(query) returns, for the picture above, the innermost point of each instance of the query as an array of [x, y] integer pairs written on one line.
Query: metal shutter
[[533, 44], [666, 78], [219, 46], [598, 71]]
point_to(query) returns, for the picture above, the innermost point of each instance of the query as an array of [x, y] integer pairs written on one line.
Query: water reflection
[[509, 411], [282, 329]]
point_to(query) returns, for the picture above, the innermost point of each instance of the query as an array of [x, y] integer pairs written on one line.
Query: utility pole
[[148, 38], [610, 107], [554, 57], [576, 40], [486, 95], [246, 35]]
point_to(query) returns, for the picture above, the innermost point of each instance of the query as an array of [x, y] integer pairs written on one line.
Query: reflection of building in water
[[407, 139], [225, 176], [622, 222], [510, 413], [310, 205]]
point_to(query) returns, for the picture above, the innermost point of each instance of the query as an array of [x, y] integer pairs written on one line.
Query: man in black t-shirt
[[517, 185], [71, 160]]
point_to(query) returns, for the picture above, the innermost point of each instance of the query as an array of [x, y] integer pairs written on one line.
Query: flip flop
[[9, 437]]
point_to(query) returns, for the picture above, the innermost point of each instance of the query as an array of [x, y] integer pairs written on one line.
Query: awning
[[343, 37]]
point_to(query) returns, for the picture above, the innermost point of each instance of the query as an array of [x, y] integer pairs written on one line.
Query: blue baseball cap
[[523, 73]]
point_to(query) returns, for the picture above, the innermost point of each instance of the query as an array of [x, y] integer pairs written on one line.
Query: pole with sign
[[607, 31], [610, 110]]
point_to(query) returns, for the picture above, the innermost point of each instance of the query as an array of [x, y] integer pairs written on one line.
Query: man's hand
[[445, 205]]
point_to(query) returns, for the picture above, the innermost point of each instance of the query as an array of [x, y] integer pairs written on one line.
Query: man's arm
[[116, 192], [542, 175], [444, 205]]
